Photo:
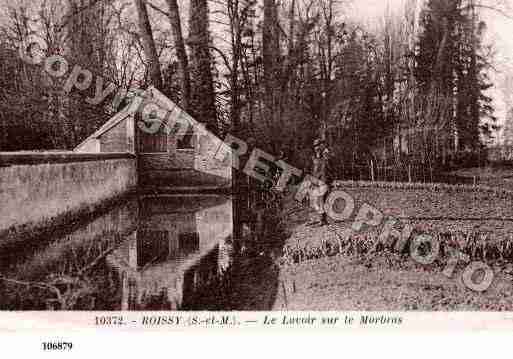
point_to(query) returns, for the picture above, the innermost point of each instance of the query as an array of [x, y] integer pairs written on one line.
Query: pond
[[146, 253]]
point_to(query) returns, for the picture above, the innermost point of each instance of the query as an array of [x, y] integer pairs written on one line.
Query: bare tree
[[181, 54], [149, 46]]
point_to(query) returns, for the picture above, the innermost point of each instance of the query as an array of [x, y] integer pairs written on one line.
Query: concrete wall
[[116, 135], [37, 189], [181, 170], [184, 168], [91, 146], [115, 139], [171, 168], [187, 167]]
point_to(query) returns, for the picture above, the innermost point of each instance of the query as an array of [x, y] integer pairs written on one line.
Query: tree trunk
[[150, 50], [270, 43], [203, 101], [272, 71], [181, 54]]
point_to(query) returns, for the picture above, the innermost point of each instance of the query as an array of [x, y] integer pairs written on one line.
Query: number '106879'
[[57, 346]]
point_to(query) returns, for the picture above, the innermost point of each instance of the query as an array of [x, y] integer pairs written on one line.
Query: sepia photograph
[[256, 156]]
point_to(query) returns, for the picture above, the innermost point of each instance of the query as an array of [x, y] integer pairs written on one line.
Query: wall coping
[[28, 158]]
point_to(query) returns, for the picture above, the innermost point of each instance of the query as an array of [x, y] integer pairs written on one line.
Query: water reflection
[[175, 252], [167, 251]]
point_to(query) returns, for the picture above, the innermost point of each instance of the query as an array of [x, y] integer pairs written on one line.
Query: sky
[[500, 28], [500, 34]]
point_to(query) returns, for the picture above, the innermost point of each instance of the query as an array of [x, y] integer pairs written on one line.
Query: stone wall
[[36, 189], [180, 168]]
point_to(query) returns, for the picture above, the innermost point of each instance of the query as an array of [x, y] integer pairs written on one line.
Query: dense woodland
[[411, 85]]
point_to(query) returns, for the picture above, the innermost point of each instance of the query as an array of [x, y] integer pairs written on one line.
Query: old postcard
[[247, 164]]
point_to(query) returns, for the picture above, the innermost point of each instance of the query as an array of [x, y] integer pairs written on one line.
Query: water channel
[[145, 253]]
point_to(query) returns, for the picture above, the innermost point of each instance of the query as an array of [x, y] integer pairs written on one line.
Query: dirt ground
[[383, 281]]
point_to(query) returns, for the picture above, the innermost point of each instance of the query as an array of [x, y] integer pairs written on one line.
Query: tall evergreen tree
[[451, 67]]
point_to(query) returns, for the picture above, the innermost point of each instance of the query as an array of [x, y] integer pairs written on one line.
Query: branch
[[51, 288], [91, 265], [157, 9], [492, 8], [223, 56]]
